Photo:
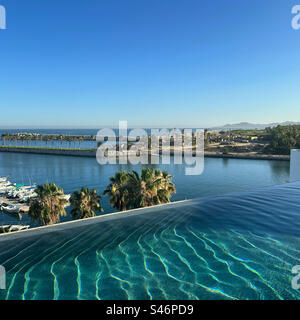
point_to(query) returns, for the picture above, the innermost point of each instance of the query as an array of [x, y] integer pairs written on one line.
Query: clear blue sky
[[188, 63]]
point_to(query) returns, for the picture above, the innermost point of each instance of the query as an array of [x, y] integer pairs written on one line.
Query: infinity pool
[[238, 246]]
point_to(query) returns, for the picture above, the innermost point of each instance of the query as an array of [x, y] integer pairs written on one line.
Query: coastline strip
[[92, 153]]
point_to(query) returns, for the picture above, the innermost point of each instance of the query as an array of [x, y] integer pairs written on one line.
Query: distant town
[[276, 140]]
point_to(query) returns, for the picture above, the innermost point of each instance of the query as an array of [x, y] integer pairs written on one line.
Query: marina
[[15, 201], [14, 198]]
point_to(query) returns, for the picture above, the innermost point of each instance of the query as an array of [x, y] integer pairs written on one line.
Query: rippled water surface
[[239, 246]]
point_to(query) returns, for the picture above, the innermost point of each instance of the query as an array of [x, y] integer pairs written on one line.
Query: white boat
[[10, 208], [67, 197], [19, 192], [5, 184], [3, 179], [5, 190], [24, 197], [12, 228]]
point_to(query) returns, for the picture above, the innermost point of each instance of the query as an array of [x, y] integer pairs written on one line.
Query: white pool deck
[[295, 165]]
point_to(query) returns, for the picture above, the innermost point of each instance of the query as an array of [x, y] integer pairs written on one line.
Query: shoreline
[[92, 153]]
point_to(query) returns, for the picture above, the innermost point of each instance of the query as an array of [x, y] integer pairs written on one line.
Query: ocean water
[[235, 246], [220, 176], [88, 144]]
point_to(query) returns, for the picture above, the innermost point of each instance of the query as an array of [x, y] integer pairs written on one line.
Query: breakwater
[[51, 151], [92, 153]]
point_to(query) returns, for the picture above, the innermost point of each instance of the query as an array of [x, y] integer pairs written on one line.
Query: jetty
[[92, 153]]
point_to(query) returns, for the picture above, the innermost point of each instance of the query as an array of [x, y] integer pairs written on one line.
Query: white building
[[295, 166]]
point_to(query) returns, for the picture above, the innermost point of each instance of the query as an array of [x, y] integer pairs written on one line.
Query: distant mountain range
[[247, 125]]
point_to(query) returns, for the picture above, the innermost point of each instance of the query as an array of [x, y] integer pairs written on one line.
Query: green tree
[[85, 203], [118, 191], [69, 139], [80, 139], [60, 138], [5, 137], [151, 187], [131, 190], [49, 205], [283, 139]]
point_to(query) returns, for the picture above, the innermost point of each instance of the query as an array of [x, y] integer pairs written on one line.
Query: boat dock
[[23, 207]]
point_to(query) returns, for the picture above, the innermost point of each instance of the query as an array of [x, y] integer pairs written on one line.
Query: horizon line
[[50, 127]]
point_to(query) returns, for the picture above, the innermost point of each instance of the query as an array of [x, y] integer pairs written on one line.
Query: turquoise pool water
[[237, 246]]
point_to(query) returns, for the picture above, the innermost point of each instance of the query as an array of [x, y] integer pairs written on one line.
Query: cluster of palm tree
[[127, 190], [50, 203]]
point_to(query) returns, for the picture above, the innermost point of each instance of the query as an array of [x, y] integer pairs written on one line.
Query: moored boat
[[67, 197], [12, 228], [10, 208]]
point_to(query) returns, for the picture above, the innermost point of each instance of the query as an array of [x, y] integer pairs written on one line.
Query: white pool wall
[[295, 165]]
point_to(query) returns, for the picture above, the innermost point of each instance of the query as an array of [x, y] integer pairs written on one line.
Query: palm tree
[[131, 190], [4, 137], [69, 139], [167, 187], [46, 139], [27, 139], [118, 191], [85, 202], [15, 137], [9, 139], [49, 204], [80, 139], [60, 138], [152, 187]]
